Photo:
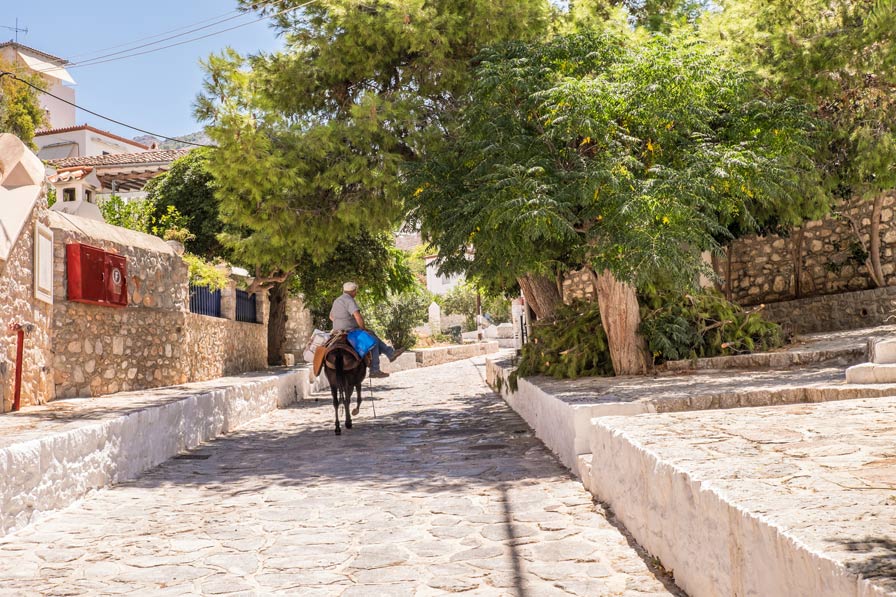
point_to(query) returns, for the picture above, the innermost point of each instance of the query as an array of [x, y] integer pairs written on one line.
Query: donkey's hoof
[[338, 431], [348, 424], [355, 411]]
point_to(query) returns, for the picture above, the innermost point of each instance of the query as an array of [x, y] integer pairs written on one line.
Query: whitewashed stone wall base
[[711, 544], [52, 472]]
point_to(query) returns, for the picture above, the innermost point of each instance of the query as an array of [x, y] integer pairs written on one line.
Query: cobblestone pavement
[[447, 491]]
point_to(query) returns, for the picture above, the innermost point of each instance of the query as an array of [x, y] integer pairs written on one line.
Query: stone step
[[53, 455], [882, 352], [787, 500], [868, 373], [843, 356]]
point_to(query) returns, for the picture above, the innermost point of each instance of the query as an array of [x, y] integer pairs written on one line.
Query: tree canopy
[[20, 110], [189, 187], [631, 158], [311, 140]]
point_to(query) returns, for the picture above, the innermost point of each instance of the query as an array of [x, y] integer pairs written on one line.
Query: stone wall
[[18, 305], [843, 311], [214, 347], [577, 286], [155, 340], [822, 257]]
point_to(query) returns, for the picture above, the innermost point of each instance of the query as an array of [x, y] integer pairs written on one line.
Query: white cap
[[349, 287]]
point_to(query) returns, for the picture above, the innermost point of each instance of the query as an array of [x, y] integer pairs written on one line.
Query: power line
[[97, 114], [115, 55], [131, 47], [186, 41], [218, 21], [147, 38]]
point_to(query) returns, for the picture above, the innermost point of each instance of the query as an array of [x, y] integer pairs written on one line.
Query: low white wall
[[427, 357], [711, 546], [52, 472], [564, 428]]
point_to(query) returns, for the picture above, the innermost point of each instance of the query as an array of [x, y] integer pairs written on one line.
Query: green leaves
[[312, 141], [594, 149]]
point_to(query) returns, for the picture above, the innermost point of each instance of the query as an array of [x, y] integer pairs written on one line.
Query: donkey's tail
[[340, 366]]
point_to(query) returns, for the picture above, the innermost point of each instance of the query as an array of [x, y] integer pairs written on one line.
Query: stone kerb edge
[[55, 471], [553, 421], [683, 521]]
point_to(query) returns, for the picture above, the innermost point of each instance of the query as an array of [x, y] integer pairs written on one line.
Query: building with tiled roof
[[80, 181], [121, 172], [27, 60], [82, 140]]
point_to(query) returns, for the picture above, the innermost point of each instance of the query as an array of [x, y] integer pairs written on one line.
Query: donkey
[[345, 372]]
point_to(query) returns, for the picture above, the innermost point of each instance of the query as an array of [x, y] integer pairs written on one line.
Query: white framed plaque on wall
[[43, 263]]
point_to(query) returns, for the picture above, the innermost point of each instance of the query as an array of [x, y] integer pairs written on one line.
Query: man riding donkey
[[346, 317]]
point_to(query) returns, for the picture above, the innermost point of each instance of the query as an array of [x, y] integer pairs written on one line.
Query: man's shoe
[[378, 374], [397, 354]]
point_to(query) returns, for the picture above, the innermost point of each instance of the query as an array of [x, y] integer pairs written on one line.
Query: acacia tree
[[629, 159], [840, 57], [312, 140]]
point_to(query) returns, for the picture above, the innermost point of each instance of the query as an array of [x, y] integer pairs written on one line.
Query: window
[[68, 194], [88, 195]]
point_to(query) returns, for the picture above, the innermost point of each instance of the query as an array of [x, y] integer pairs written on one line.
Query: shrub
[[573, 343], [703, 325], [203, 273], [395, 318]]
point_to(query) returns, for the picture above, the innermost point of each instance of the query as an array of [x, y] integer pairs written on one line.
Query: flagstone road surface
[[447, 491]]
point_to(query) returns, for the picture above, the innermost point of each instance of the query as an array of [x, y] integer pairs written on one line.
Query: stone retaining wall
[[427, 357], [155, 340], [827, 254], [298, 327], [846, 311]]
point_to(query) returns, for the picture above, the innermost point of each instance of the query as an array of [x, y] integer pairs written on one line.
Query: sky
[[154, 91]]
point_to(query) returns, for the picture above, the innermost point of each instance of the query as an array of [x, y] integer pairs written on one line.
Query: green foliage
[[703, 325], [51, 195], [632, 157], [133, 214], [371, 261], [312, 140], [572, 344], [840, 57], [461, 300], [188, 186], [395, 318], [20, 110], [143, 215], [170, 224], [203, 273]]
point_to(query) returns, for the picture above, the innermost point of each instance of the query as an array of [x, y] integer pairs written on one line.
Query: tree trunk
[[541, 294], [277, 324], [796, 255], [621, 318], [874, 243]]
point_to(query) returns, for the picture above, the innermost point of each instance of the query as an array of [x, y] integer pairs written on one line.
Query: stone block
[[882, 351], [871, 373]]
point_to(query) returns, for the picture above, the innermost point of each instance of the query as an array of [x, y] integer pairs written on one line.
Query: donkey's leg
[[348, 403], [357, 408], [335, 392]]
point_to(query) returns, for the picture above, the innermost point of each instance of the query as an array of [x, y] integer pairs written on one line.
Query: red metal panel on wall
[[92, 276], [116, 280]]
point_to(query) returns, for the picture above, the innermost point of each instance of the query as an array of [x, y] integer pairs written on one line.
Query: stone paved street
[[447, 491]]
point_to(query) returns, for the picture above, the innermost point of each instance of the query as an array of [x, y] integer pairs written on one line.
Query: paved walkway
[[446, 492]]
